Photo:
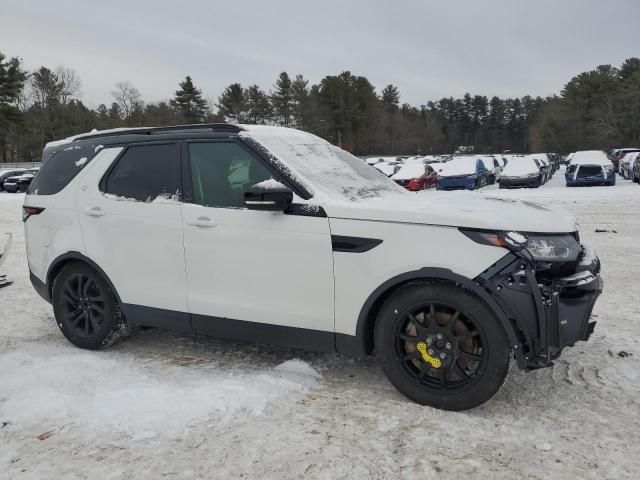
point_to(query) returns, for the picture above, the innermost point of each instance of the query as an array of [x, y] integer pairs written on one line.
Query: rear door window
[[60, 169], [145, 172]]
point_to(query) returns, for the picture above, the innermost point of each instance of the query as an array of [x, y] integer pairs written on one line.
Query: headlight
[[553, 248], [471, 176], [608, 168], [543, 248]]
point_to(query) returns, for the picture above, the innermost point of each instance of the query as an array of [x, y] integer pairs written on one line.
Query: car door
[[133, 230], [249, 271]]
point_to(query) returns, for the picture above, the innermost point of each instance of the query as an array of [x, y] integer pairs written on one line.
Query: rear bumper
[[546, 316], [595, 180]]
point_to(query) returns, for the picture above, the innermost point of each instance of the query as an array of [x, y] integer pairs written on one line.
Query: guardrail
[[20, 165]]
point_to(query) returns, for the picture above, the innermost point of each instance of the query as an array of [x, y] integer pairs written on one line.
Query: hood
[[459, 209]]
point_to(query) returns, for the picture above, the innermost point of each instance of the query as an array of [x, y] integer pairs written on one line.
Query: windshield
[[326, 171]]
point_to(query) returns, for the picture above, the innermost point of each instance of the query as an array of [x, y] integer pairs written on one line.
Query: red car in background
[[416, 176]]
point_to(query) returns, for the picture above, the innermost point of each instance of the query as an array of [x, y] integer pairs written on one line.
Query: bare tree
[[70, 83], [127, 97]]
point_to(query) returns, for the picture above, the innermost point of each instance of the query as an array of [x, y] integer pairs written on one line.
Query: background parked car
[[20, 183], [416, 176], [7, 173], [618, 153], [463, 173], [635, 174], [388, 168], [590, 167], [625, 166], [521, 172], [494, 167]]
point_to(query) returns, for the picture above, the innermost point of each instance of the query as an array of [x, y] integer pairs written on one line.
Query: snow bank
[[54, 387], [299, 367]]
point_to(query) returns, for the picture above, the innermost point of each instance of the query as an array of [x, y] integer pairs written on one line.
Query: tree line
[[595, 109]]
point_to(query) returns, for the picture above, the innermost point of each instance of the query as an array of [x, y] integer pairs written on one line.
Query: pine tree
[[189, 103], [12, 79], [390, 98], [282, 99], [300, 96], [232, 103], [115, 113], [258, 106]]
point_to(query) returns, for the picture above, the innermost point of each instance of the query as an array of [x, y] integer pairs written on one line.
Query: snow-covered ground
[[164, 405]]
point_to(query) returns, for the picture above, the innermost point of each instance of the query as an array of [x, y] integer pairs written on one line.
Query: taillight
[[28, 211]]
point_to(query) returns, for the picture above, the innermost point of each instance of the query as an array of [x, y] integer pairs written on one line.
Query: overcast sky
[[428, 48]]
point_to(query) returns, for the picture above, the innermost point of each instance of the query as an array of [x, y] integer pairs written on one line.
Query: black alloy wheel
[[441, 345], [83, 306], [86, 308]]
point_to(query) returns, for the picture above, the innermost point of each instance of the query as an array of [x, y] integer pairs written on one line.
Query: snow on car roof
[[409, 171], [64, 141], [459, 166], [326, 171], [520, 166], [590, 157]]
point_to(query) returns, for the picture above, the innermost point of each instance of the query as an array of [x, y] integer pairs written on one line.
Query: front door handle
[[95, 212], [202, 222]]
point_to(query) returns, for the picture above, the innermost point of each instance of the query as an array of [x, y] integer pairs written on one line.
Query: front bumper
[[519, 182], [456, 183], [546, 315]]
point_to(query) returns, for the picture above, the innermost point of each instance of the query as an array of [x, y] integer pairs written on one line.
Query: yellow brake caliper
[[422, 348]]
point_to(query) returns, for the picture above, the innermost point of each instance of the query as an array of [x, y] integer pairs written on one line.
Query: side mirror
[[269, 195]]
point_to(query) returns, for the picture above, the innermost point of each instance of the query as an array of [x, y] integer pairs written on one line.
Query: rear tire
[[86, 309], [437, 319]]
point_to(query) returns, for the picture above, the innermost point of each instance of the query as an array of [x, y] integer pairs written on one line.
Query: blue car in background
[[590, 167], [467, 173]]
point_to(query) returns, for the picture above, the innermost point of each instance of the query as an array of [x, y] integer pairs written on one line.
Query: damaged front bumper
[[546, 314]]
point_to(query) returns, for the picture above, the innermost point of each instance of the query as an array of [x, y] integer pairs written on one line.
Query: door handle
[[95, 212], [202, 222]]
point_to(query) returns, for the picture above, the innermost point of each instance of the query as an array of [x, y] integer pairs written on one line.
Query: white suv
[[274, 235]]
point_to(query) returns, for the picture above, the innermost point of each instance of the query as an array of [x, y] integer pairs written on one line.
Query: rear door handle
[[95, 212], [202, 222]]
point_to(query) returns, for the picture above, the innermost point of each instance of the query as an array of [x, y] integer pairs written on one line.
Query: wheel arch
[[75, 257], [362, 343]]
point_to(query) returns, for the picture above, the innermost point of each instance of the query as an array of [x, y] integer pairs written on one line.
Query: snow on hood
[[326, 171], [460, 209], [520, 167], [459, 166], [410, 171], [590, 157]]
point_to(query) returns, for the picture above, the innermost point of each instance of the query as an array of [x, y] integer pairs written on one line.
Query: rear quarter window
[[60, 169]]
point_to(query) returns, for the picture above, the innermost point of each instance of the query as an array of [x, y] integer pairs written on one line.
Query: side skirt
[[255, 332]]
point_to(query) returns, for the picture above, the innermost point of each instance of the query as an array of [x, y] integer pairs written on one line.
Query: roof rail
[[214, 127]]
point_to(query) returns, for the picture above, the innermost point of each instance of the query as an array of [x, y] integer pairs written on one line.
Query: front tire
[[422, 324], [86, 309]]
